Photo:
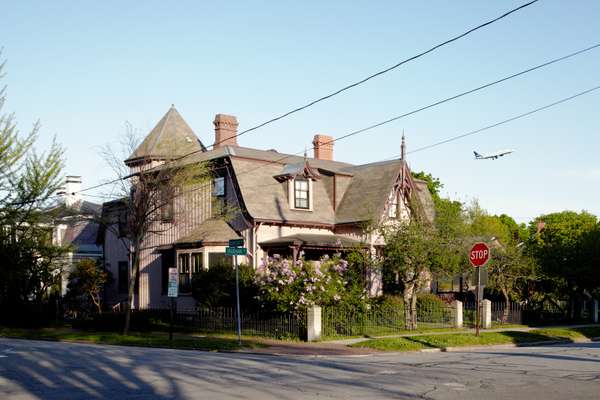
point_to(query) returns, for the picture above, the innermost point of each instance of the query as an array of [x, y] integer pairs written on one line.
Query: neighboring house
[[286, 204], [76, 226]]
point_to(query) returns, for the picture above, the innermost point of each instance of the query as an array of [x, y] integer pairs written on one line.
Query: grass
[[411, 343], [146, 339]]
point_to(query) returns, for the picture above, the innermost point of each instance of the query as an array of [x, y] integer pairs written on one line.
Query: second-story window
[[301, 194], [166, 205], [219, 184]]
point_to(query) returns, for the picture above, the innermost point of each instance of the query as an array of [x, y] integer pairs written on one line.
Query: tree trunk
[[413, 306], [130, 292], [410, 306], [407, 297]]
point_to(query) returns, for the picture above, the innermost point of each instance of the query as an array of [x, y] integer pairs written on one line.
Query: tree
[[28, 182], [87, 281], [414, 252], [510, 270], [146, 195], [563, 248]]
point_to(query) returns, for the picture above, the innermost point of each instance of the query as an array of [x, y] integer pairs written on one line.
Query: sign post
[[172, 293], [479, 256], [235, 249]]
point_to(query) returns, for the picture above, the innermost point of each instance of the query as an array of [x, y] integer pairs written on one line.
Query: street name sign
[[236, 242], [236, 251], [479, 254], [173, 287]]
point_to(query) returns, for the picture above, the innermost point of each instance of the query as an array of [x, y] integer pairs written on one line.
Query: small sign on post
[[235, 249], [236, 242], [172, 292], [479, 256], [173, 287]]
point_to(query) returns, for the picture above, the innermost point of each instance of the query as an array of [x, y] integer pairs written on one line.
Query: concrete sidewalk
[[346, 342]]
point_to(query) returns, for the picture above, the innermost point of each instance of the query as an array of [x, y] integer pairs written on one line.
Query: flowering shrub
[[293, 286]]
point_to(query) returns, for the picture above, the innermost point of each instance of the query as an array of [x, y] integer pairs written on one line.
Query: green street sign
[[236, 251], [236, 243]]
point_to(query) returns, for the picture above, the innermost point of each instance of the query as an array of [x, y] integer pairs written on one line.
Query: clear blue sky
[[85, 68]]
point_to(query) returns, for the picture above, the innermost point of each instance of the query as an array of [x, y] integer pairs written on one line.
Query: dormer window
[[219, 187], [301, 193]]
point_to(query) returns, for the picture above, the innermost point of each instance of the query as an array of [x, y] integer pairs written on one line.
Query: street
[[51, 370]]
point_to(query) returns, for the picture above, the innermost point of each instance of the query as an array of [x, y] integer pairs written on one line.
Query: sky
[[86, 69]]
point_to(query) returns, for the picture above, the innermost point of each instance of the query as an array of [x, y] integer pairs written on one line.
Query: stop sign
[[479, 254]]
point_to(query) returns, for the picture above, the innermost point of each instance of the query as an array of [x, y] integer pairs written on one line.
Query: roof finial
[[403, 147], [305, 151]]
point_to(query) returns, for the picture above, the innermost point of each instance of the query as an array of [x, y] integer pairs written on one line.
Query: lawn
[[411, 343], [145, 339]]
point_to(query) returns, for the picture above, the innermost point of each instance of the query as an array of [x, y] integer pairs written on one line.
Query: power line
[[439, 102], [352, 85], [516, 117], [415, 111], [526, 114], [379, 73]]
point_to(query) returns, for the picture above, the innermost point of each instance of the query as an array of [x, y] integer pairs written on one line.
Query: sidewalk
[[346, 342]]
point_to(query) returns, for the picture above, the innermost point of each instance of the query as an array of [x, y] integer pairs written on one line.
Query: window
[[123, 276], [166, 207], [122, 223], [219, 187], [393, 206], [196, 262], [219, 259], [185, 281], [301, 193]]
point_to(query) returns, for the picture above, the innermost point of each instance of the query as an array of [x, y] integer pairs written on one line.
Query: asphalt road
[[48, 370]]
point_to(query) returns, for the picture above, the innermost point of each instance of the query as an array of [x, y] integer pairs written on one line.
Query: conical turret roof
[[171, 137]]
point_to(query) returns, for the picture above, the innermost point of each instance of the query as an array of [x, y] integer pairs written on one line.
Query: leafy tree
[[87, 282], [414, 252], [28, 180], [563, 249], [510, 271]]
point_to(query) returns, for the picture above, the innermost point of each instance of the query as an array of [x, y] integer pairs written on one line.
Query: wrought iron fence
[[340, 322], [224, 320], [506, 314]]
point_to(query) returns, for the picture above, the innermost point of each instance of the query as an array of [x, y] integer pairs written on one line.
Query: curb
[[507, 345]]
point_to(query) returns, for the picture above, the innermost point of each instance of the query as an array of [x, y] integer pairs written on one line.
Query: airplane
[[492, 156]]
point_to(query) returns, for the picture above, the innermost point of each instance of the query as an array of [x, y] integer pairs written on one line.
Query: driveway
[[51, 370]]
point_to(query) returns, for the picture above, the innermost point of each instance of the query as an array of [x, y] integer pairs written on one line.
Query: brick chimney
[[225, 130], [323, 146]]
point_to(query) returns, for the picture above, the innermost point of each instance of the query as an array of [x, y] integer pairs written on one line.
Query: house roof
[[210, 231], [82, 236], [171, 137], [313, 240], [369, 189]]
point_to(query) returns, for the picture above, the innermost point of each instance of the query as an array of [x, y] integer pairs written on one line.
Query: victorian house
[[282, 204]]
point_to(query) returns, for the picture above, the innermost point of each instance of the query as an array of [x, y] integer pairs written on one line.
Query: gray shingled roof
[[267, 199], [369, 189], [210, 231], [171, 137], [425, 199]]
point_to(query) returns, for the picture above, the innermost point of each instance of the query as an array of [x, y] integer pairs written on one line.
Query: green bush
[[215, 287]]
